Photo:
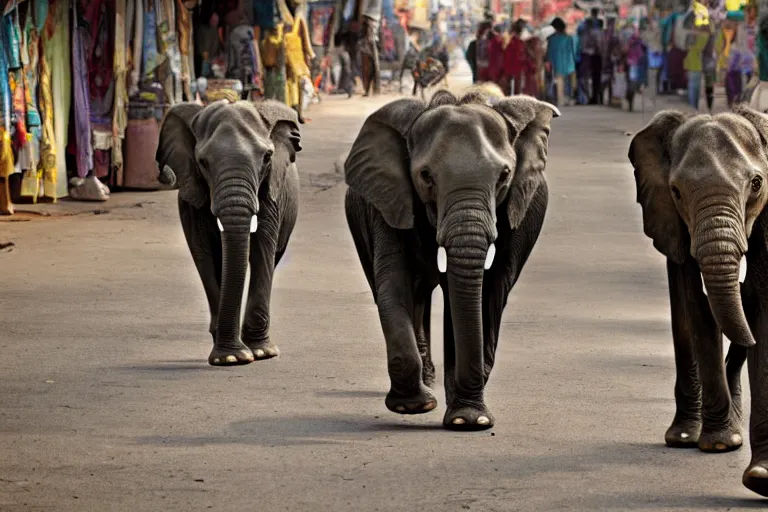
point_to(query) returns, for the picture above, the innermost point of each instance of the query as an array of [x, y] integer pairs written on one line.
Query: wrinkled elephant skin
[[453, 194], [238, 202], [701, 183]]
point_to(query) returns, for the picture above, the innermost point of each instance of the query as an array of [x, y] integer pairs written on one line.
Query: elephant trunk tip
[[167, 176]]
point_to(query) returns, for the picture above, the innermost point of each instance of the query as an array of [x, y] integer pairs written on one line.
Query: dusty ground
[[106, 402]]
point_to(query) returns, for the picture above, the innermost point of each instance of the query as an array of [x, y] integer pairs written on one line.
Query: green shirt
[[693, 60]]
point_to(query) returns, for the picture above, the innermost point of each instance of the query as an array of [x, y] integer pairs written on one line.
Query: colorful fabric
[[57, 50], [184, 34], [83, 149], [137, 54], [30, 59], [119, 114], [48, 136], [320, 18], [98, 46], [149, 48]]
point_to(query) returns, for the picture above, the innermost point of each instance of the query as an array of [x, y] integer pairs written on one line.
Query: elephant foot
[[263, 350], [721, 441], [419, 403], [466, 418], [230, 356], [683, 434], [755, 479]]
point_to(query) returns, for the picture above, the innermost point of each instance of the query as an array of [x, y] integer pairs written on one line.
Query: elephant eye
[[675, 192], [504, 176], [757, 182], [426, 177], [203, 162], [267, 157]]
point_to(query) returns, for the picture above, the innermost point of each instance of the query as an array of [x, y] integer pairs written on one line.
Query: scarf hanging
[[119, 114], [84, 149]]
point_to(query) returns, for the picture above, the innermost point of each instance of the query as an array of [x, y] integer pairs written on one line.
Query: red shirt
[[496, 58], [514, 57]]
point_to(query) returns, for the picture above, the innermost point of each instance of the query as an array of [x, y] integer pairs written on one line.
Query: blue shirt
[[560, 54]]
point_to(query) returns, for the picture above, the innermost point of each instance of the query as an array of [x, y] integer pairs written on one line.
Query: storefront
[[84, 84]]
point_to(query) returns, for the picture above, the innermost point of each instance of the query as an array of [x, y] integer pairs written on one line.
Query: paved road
[[106, 402]]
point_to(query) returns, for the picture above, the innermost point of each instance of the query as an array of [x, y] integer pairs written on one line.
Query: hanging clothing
[[149, 47], [57, 52], [137, 54], [83, 144], [119, 114], [184, 35], [99, 46]]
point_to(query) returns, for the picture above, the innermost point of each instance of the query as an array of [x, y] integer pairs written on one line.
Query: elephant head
[[463, 159], [226, 157], [700, 181]]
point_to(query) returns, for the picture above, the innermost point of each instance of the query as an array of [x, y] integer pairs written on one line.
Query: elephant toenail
[[216, 360], [400, 408], [483, 420], [458, 421], [231, 359], [684, 436], [735, 439], [720, 446], [259, 353], [757, 472], [430, 406]]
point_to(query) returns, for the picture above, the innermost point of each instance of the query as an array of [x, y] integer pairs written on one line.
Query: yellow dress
[[298, 51]]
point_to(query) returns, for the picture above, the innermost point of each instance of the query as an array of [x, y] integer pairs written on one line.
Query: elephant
[[448, 193], [238, 202], [700, 182]]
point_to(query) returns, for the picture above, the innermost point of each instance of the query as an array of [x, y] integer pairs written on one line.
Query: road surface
[[106, 402]]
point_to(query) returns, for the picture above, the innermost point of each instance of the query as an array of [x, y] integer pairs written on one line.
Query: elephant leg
[[692, 320], [422, 327], [204, 242], [255, 331], [685, 430], [755, 477], [383, 258]]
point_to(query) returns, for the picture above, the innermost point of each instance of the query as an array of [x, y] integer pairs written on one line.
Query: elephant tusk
[[254, 223], [489, 257], [442, 260], [221, 226], [743, 269]]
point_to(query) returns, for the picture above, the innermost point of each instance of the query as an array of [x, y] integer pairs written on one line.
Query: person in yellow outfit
[[298, 53]]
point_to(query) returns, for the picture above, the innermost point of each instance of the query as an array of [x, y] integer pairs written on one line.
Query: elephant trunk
[[235, 212], [719, 244], [467, 234]]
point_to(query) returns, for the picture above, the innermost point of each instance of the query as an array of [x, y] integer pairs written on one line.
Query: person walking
[[694, 63], [472, 53], [515, 59], [560, 58]]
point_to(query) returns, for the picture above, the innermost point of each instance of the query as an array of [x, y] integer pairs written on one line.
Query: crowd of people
[[607, 60]]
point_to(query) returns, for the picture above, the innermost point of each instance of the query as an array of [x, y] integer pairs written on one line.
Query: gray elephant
[[238, 202], [453, 194], [701, 183]]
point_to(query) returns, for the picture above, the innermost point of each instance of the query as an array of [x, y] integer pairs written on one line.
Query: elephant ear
[[175, 154], [378, 164], [649, 153], [758, 120], [528, 121], [283, 124]]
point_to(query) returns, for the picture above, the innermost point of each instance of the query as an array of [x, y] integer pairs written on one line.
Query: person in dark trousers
[[346, 80]]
